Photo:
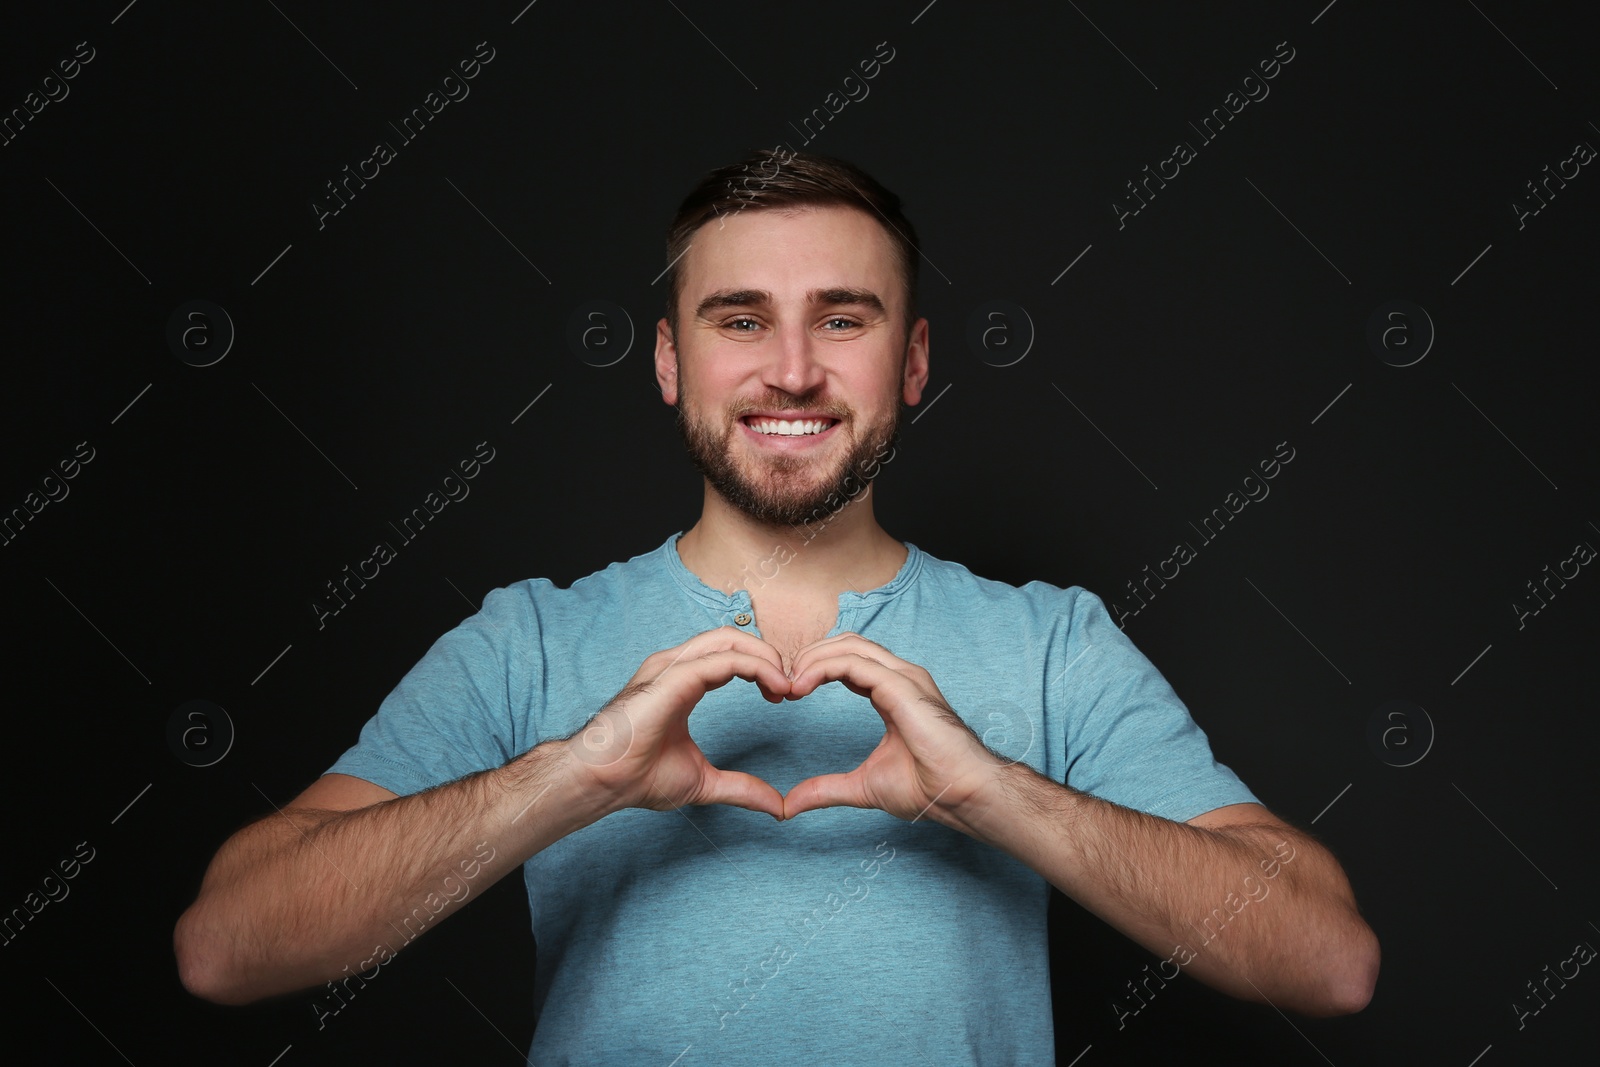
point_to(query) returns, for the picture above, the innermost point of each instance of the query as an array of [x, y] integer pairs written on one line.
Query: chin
[[789, 505], [776, 489]]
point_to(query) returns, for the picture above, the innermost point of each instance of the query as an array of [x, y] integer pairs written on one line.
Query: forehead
[[790, 252]]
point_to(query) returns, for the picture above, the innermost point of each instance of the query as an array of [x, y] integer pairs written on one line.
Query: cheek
[[876, 399], [713, 422], [711, 386]]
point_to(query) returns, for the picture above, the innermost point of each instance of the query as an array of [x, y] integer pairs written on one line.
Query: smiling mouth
[[788, 427]]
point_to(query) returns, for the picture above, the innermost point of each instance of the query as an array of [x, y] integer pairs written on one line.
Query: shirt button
[[742, 619]]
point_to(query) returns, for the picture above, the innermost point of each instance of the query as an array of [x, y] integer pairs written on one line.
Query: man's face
[[793, 318]]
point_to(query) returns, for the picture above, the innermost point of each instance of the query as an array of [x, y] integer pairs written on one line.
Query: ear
[[666, 363], [916, 374]]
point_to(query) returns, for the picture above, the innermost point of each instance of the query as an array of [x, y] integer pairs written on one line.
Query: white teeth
[[786, 428]]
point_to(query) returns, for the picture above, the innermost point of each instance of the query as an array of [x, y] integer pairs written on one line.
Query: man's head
[[769, 179], [793, 343]]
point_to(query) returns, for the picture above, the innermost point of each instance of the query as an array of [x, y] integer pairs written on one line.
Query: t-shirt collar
[[720, 601]]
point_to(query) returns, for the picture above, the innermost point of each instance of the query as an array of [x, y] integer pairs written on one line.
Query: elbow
[[202, 962], [1354, 976]]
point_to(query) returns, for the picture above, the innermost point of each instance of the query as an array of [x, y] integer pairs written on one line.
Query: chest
[[792, 626]]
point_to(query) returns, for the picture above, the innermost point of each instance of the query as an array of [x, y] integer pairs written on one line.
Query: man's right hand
[[637, 751], [313, 887]]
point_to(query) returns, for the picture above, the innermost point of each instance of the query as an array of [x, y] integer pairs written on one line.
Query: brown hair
[[777, 178]]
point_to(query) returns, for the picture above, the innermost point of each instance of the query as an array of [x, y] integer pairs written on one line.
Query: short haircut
[[778, 178]]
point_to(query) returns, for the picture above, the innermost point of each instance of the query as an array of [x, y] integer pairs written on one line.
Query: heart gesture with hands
[[637, 750], [929, 763]]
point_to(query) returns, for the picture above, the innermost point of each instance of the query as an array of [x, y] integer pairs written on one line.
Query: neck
[[848, 550]]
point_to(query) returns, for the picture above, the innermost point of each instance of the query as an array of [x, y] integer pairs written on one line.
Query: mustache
[[788, 402]]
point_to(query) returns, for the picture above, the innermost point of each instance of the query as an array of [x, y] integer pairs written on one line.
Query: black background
[[1227, 316]]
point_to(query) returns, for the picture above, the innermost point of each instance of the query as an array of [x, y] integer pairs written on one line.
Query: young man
[[790, 870]]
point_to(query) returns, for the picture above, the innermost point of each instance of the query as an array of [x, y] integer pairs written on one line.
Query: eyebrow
[[736, 298]]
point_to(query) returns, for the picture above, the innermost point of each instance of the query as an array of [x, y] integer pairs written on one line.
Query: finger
[[689, 680], [719, 668], [743, 791], [918, 715], [830, 640], [826, 791], [862, 674], [723, 638], [842, 643]]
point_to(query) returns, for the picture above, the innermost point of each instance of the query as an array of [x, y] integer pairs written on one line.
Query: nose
[[793, 365]]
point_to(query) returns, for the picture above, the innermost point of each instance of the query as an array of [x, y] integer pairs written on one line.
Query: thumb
[[825, 791], [742, 791]]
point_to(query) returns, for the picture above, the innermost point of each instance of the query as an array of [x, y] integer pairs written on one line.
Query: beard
[[782, 489]]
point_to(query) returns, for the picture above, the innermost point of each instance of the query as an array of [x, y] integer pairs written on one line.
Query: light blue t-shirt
[[845, 935]]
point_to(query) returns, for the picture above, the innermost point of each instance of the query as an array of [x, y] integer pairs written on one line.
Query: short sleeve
[[1130, 740], [459, 710]]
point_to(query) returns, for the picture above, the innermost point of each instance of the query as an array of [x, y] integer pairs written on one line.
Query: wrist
[[978, 800], [546, 787]]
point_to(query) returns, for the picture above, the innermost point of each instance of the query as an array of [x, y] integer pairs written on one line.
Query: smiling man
[[728, 857], [788, 375]]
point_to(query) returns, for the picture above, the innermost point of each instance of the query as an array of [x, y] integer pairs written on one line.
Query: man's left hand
[[929, 763]]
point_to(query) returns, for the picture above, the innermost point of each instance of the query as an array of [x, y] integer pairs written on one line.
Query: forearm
[[300, 896], [1263, 913]]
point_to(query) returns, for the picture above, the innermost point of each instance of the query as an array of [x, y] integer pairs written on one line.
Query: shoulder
[[1037, 600], [634, 582]]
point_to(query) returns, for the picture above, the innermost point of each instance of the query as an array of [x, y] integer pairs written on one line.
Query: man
[[830, 870]]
